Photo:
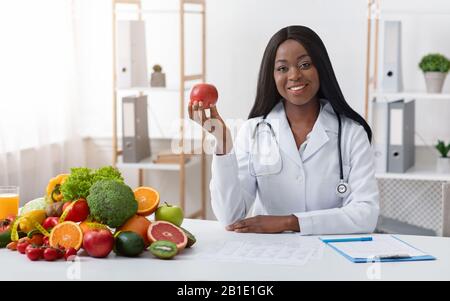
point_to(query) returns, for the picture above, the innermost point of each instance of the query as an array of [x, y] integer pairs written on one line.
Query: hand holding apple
[[170, 213], [204, 96]]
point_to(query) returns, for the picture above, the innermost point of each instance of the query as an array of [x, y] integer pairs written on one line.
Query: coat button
[[299, 178]]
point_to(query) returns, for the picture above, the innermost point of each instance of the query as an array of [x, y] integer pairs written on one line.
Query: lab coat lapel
[[326, 123], [317, 139], [284, 134]]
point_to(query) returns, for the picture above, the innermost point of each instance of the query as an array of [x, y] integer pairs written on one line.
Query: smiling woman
[[315, 174], [39, 93]]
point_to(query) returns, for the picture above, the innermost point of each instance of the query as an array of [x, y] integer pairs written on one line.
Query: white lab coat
[[306, 184]]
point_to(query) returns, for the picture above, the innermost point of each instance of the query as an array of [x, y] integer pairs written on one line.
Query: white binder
[[131, 54], [391, 71], [380, 115]]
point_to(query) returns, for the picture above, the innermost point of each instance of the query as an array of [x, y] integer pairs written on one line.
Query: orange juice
[[9, 202]]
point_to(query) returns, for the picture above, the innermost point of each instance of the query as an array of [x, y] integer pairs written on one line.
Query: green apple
[[170, 213]]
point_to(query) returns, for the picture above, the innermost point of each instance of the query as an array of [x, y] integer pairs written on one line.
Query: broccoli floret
[[111, 202]]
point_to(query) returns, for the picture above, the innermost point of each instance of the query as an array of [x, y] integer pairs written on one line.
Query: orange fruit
[[67, 235], [137, 224], [148, 200]]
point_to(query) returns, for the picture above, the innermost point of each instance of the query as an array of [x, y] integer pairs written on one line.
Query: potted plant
[[158, 78], [435, 67], [443, 162]]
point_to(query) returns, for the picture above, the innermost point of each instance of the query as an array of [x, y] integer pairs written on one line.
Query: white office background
[[57, 84]]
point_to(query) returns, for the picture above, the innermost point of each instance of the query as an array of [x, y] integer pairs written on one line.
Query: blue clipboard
[[334, 244]]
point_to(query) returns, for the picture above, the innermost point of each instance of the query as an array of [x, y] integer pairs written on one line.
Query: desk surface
[[329, 266]]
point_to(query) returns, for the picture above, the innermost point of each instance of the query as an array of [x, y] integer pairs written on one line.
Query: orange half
[[148, 200], [67, 235]]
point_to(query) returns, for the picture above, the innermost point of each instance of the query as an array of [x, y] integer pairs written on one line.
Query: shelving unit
[[181, 89], [418, 95], [420, 197]]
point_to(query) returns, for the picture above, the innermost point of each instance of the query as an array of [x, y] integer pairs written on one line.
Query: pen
[[393, 256], [350, 239]]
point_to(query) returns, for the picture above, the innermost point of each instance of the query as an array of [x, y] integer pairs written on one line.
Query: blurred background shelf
[[417, 172], [148, 164], [417, 95], [153, 89]]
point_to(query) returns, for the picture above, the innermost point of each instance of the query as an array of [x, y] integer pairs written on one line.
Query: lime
[[128, 244]]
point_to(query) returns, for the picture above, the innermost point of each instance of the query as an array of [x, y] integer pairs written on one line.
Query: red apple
[[206, 93], [98, 242]]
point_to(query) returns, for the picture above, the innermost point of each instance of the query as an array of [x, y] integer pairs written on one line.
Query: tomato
[[34, 253], [206, 93], [45, 241], [70, 254], [61, 253], [22, 245], [51, 254], [50, 222], [79, 211]]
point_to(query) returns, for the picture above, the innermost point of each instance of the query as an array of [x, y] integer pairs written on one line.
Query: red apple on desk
[[98, 242], [206, 93]]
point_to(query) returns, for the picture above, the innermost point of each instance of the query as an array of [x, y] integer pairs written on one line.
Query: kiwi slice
[[163, 249]]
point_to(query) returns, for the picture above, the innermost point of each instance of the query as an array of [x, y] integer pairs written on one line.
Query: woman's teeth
[[297, 88]]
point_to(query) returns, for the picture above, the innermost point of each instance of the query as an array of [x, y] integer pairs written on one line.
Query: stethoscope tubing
[[343, 188]]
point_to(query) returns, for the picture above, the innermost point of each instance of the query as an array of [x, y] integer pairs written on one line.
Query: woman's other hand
[[266, 224]]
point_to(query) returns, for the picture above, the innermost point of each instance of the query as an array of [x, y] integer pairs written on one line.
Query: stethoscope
[[342, 189]]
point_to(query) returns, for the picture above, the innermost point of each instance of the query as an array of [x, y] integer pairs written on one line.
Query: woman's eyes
[[305, 65], [301, 66]]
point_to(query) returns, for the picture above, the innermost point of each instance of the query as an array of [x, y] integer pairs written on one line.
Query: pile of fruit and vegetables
[[95, 210]]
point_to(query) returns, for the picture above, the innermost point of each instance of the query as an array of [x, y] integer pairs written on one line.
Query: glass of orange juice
[[9, 201]]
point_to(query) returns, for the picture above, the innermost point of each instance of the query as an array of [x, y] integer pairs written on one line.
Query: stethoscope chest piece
[[342, 189]]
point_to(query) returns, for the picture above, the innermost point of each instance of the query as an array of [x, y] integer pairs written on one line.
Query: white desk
[[330, 265]]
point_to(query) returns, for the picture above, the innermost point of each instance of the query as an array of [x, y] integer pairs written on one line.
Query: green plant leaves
[[434, 62], [442, 148]]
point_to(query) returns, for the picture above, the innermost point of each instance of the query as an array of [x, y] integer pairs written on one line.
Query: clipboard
[[379, 248]]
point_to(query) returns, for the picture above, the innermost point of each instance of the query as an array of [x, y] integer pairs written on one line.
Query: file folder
[[401, 150], [135, 139], [380, 248]]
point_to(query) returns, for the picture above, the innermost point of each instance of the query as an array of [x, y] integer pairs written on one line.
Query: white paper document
[[296, 251], [381, 246]]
